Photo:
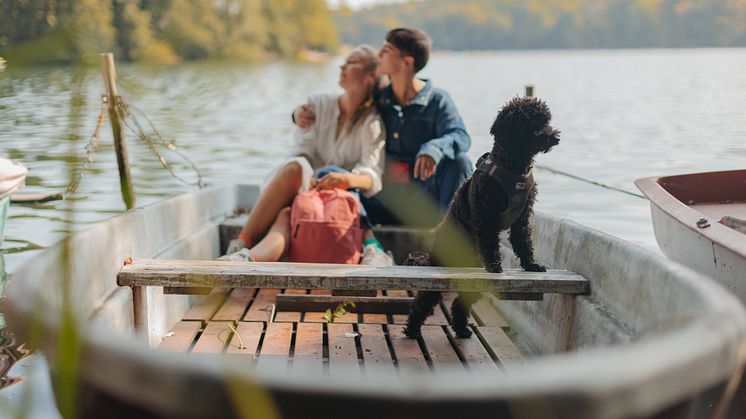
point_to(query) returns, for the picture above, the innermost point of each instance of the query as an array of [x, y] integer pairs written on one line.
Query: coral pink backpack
[[325, 227]]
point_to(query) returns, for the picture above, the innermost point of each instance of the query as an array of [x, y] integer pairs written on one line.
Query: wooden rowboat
[[687, 211], [638, 336]]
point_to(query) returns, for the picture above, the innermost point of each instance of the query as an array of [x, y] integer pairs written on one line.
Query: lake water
[[623, 114]]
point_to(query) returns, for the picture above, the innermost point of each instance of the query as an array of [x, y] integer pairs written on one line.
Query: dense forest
[[513, 24], [163, 30], [166, 31]]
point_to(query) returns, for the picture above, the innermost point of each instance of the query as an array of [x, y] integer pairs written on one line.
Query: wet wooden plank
[[250, 334], [182, 337], [343, 360], [409, 357], [377, 361], [213, 339], [275, 350], [289, 315], [500, 346], [487, 315], [439, 348], [236, 304], [472, 350], [308, 356], [206, 306], [228, 274], [260, 309]]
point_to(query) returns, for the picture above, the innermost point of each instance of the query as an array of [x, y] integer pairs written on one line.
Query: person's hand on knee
[[331, 181], [424, 167]]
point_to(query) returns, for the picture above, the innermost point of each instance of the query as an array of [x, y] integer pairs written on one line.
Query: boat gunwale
[[687, 216]]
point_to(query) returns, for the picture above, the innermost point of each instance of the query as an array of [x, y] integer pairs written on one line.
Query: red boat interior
[[715, 195]]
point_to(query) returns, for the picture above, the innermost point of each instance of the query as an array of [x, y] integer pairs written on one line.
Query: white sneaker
[[373, 256], [234, 246], [243, 255]]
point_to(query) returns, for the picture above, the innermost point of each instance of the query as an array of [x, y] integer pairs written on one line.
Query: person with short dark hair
[[426, 138]]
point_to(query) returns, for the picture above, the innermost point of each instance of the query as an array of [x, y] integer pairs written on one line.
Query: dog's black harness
[[516, 187]]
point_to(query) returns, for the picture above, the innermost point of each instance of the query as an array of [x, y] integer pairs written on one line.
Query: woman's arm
[[372, 155]]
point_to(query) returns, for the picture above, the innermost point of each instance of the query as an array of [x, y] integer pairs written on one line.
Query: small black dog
[[499, 195]]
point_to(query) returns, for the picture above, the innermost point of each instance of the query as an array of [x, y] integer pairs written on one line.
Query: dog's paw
[[494, 268], [535, 267], [464, 333], [412, 333]]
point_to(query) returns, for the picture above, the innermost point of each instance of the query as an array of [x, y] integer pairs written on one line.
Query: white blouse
[[361, 151]]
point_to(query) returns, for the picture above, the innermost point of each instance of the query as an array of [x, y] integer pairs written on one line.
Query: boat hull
[[712, 249], [652, 339]]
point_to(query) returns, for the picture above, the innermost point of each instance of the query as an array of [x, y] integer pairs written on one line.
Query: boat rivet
[[703, 223]]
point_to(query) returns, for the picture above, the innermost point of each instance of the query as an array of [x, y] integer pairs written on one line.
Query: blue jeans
[[364, 220], [420, 203]]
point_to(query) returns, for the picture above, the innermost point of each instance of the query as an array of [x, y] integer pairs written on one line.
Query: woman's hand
[[331, 181], [303, 116]]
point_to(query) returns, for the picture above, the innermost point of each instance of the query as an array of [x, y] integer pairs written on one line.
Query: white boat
[[652, 339], [688, 219]]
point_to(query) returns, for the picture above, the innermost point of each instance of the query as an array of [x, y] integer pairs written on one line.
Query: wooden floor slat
[[343, 360], [398, 318], [234, 307], [486, 314], [250, 334], [206, 306], [308, 356], [408, 353], [375, 318], [276, 346], [476, 356], [290, 316], [213, 338], [260, 308], [182, 337], [501, 346], [442, 355], [377, 359]]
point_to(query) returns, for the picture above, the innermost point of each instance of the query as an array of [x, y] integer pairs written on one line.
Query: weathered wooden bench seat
[[225, 274]]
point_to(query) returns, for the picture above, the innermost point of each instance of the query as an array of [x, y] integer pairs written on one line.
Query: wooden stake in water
[[529, 90], [120, 146]]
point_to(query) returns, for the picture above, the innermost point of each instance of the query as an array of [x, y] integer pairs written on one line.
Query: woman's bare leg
[[277, 241], [276, 196]]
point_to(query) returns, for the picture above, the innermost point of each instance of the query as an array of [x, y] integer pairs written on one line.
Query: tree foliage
[[514, 24], [51, 30]]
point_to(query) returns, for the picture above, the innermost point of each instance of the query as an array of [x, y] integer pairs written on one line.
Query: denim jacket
[[429, 124]]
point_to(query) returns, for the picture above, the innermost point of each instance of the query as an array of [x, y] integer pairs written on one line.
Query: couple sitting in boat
[[342, 141]]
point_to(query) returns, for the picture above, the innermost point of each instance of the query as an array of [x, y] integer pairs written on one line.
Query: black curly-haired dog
[[499, 195]]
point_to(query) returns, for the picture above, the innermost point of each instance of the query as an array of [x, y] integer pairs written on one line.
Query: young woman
[[343, 148]]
